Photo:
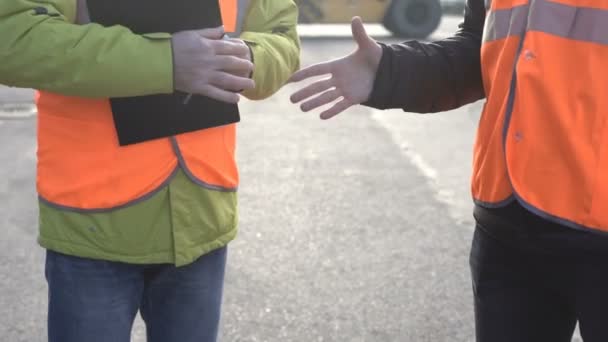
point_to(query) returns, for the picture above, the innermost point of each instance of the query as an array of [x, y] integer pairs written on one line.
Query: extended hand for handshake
[[207, 64], [351, 78]]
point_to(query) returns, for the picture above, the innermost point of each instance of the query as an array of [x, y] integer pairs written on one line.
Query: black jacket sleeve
[[433, 77]]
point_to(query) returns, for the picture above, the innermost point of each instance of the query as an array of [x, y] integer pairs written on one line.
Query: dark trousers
[[96, 301], [533, 280]]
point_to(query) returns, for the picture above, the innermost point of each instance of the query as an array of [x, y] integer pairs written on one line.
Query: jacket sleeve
[[433, 77], [270, 29], [42, 48]]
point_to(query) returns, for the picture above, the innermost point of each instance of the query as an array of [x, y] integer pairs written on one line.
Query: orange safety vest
[[543, 138], [81, 166]]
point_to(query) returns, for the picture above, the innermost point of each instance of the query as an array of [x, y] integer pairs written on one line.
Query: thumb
[[360, 35], [212, 33]]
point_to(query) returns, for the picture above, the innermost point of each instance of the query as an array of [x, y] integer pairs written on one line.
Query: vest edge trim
[[138, 200]]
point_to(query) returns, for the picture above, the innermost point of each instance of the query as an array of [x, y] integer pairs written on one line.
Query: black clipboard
[[143, 118]]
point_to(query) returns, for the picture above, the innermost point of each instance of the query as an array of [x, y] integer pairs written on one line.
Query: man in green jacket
[[142, 257]]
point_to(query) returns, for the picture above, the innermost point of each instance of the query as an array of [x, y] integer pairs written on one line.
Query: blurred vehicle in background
[[404, 18], [453, 7]]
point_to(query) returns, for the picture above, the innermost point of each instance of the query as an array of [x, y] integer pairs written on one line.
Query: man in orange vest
[[140, 226], [540, 252]]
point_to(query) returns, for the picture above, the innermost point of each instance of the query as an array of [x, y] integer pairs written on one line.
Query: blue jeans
[[97, 301]]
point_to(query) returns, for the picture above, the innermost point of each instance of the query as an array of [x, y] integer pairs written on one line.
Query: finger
[[225, 47], [360, 34], [311, 71], [247, 49], [231, 82], [321, 100], [220, 94], [232, 63], [235, 40], [311, 90], [336, 109], [212, 33]]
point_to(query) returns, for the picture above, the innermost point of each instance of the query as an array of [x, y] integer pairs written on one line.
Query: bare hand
[[352, 77], [206, 64], [246, 54]]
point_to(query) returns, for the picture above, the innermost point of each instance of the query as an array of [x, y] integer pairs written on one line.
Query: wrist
[[376, 56]]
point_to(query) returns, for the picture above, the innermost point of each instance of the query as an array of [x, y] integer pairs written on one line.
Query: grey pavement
[[15, 95], [356, 229]]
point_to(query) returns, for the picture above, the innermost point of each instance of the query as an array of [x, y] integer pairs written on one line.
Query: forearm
[[433, 77], [275, 45], [48, 52]]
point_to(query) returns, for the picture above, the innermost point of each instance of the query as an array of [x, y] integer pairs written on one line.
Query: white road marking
[[445, 170]]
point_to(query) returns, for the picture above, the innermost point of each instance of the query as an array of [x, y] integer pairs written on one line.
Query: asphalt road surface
[[357, 229]]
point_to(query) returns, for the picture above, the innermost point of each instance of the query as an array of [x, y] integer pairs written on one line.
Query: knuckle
[[209, 46], [242, 49], [235, 61], [228, 60], [224, 61], [220, 79]]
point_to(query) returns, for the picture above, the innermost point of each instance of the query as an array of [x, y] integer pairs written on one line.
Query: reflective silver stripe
[[243, 9], [553, 218], [578, 23], [118, 207], [193, 178], [504, 23]]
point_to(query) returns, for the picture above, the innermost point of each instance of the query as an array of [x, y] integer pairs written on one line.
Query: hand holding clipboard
[[212, 68], [224, 82], [204, 65]]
